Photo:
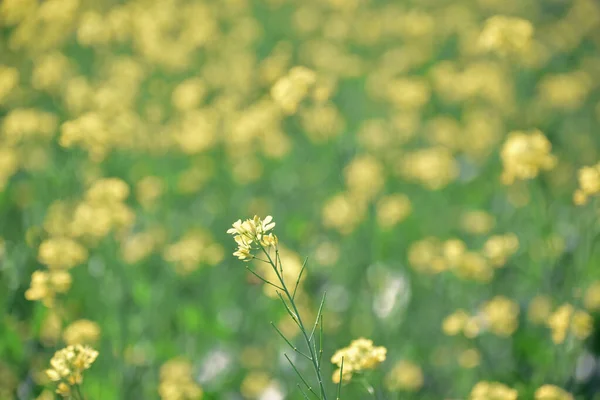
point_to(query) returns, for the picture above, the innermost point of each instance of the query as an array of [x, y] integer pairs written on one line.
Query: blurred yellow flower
[[176, 381], [404, 375], [364, 177], [254, 384], [188, 94], [9, 79], [477, 222], [501, 316], [434, 167], [9, 164], [289, 90], [405, 93], [469, 358], [138, 246], [524, 154], [427, 255], [591, 299], [359, 356], [499, 247], [551, 392], [26, 124], [454, 323], [253, 357], [565, 91], [61, 253], [492, 391], [322, 122], [392, 209], [506, 35], [589, 184], [46, 284], [567, 319], [343, 213], [148, 190], [81, 332], [192, 250], [474, 266], [539, 309]]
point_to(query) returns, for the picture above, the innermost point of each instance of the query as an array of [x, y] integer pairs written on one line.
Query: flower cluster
[[551, 392], [501, 316], [589, 184], [289, 90], [525, 154], [361, 355], [191, 250], [61, 253], [100, 212], [252, 232], [81, 332], [434, 256], [176, 381], [498, 316], [492, 391], [567, 319], [506, 35], [404, 375], [67, 367], [46, 284]]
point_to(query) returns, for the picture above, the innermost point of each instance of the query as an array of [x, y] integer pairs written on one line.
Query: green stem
[[367, 386], [313, 356], [78, 392]]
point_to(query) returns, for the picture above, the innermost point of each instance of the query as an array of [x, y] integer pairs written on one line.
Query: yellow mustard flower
[[524, 154], [404, 375], [176, 382], [552, 392], [506, 35], [501, 316], [485, 390], [361, 355], [81, 332], [291, 89], [252, 232], [61, 253], [589, 184], [46, 284], [67, 367], [566, 319]]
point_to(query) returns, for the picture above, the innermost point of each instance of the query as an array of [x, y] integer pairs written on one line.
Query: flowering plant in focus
[[67, 368], [252, 234]]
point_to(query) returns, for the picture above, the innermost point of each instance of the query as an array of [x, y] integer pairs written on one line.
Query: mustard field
[[300, 199]]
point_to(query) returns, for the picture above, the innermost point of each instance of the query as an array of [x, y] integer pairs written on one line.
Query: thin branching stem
[[299, 277], [310, 389], [294, 312], [263, 279], [321, 340], [78, 392], [290, 343], [278, 262], [290, 312], [312, 333], [339, 386], [302, 391]]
